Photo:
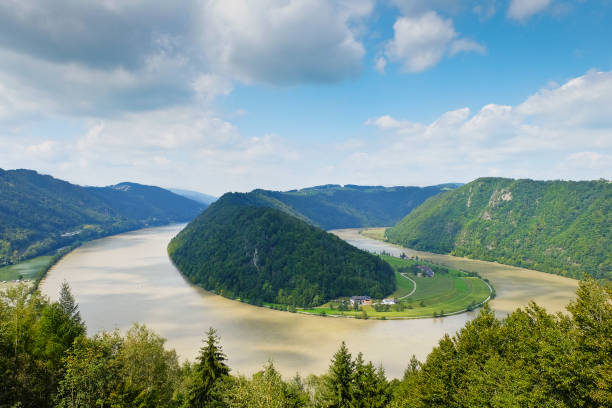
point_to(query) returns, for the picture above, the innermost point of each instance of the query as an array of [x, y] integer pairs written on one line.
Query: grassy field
[[448, 291], [30, 269], [374, 233]]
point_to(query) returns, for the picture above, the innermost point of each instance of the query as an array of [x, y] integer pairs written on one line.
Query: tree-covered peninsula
[[261, 254], [562, 227]]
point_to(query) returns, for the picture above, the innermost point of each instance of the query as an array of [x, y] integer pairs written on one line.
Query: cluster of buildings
[[366, 300]]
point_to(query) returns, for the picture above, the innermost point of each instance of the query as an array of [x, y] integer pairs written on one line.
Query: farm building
[[361, 300], [425, 271]]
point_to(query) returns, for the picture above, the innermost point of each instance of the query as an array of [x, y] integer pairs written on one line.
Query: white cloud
[[560, 132], [109, 57], [284, 41], [522, 10], [386, 122], [464, 45], [420, 42], [380, 64]]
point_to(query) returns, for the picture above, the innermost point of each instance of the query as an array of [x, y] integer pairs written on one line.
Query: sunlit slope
[[554, 226]]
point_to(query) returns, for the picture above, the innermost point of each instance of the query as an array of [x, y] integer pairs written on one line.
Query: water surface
[[514, 286], [129, 278]]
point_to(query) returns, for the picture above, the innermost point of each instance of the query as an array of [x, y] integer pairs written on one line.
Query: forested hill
[[261, 254], [563, 227], [39, 213], [333, 206]]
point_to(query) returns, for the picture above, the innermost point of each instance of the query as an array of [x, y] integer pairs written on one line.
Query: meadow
[[30, 269], [449, 291]]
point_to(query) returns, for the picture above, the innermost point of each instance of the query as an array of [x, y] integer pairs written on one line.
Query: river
[[129, 278]]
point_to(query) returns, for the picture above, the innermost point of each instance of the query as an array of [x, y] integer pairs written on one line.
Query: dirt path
[[413, 282]]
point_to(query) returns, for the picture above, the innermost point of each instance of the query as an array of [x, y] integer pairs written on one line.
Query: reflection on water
[[129, 278]]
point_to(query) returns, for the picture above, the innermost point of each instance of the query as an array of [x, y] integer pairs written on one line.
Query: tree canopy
[[40, 213], [260, 254], [529, 358], [562, 227]]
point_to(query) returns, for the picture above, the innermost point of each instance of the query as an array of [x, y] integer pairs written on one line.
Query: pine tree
[[68, 304], [340, 378], [209, 373], [370, 386]]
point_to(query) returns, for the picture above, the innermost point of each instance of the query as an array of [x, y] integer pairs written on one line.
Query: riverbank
[[32, 271], [444, 292], [515, 287]]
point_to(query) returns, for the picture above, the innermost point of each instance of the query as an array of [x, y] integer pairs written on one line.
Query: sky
[[232, 95]]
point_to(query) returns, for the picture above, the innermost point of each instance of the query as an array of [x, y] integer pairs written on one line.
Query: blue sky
[[233, 95]]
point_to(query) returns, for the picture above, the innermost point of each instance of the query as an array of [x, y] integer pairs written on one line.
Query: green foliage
[[528, 359], [261, 255], [209, 374], [352, 383], [266, 389], [333, 206], [109, 370], [553, 226], [34, 337], [40, 214]]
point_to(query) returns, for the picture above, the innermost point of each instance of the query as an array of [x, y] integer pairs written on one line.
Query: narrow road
[[413, 282]]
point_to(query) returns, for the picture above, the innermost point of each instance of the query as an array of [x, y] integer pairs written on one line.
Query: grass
[[448, 291], [404, 286], [30, 269], [374, 233]]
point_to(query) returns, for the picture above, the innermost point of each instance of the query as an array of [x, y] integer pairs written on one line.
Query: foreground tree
[[209, 375], [109, 370]]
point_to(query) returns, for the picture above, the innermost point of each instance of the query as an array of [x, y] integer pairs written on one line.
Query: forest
[[530, 358], [561, 227], [40, 213], [260, 254], [333, 206]]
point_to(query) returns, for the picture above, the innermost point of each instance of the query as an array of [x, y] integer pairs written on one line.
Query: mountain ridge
[[41, 213], [562, 227]]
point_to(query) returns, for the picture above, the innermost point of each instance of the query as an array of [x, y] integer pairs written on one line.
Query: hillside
[[40, 213], [261, 254], [333, 206], [195, 195], [555, 226]]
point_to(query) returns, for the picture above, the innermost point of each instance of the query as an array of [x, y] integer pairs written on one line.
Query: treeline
[[333, 206], [529, 359], [562, 227], [260, 254], [40, 213]]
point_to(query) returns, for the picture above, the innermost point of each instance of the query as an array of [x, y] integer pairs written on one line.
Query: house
[[425, 271], [388, 301], [361, 300]]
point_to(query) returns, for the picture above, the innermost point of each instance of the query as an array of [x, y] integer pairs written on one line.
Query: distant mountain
[[261, 254], [195, 196], [563, 227], [39, 213], [333, 206]]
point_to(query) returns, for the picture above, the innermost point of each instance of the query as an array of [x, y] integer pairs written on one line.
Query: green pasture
[[30, 269], [444, 293]]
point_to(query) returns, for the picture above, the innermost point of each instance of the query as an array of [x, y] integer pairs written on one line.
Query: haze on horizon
[[231, 95]]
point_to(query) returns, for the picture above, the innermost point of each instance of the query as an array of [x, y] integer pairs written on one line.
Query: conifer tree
[[68, 304], [209, 373], [340, 379]]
